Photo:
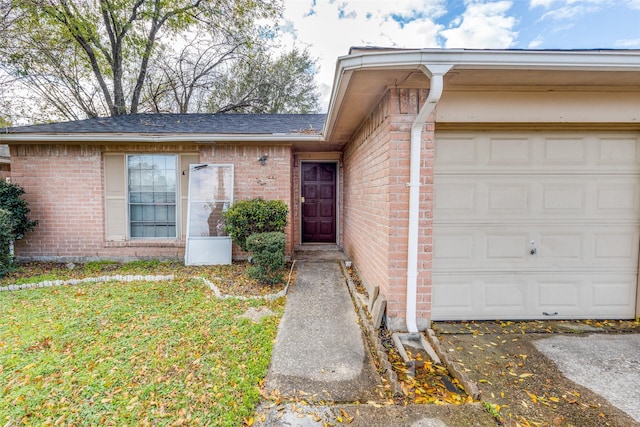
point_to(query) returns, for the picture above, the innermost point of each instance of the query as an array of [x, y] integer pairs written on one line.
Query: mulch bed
[[229, 279]]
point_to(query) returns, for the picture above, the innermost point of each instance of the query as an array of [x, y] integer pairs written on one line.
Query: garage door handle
[[555, 313]]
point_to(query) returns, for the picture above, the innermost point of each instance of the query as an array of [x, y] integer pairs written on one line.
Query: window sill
[[156, 243]]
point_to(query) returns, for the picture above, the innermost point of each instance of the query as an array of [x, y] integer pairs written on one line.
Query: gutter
[[435, 74], [157, 138]]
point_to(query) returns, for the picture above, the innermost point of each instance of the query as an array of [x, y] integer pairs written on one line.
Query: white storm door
[[210, 195]]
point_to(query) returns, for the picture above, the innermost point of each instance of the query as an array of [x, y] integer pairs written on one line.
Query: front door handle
[[302, 199]]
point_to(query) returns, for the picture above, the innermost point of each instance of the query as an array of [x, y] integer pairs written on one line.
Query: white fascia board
[[127, 138], [583, 60], [596, 60], [499, 59]]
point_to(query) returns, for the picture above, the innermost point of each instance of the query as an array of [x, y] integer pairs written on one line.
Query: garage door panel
[[456, 198], [615, 247], [487, 197], [606, 153], [479, 296], [563, 199], [533, 296], [572, 198], [612, 293], [564, 151], [455, 248], [556, 293], [459, 151], [506, 247], [556, 248], [619, 199], [576, 246], [505, 293], [618, 151], [455, 295], [508, 199], [509, 150]]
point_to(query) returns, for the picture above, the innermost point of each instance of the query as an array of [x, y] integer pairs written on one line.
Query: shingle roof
[[249, 124]]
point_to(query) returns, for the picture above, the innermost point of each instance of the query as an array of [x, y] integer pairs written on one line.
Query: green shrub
[[14, 221], [18, 207], [247, 217], [268, 256], [6, 236]]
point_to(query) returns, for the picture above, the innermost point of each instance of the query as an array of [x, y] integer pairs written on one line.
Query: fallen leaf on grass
[[532, 396]]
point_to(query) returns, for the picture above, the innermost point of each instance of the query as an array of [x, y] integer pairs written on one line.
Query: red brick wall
[[376, 203], [64, 186], [270, 182]]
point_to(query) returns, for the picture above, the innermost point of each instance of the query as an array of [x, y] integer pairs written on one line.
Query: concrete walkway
[[322, 372], [320, 350]]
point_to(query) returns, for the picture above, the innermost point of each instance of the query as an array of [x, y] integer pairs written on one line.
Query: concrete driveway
[[608, 365]]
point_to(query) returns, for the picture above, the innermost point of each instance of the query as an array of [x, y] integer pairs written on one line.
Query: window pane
[[148, 213], [136, 213], [152, 195], [136, 230], [161, 213], [146, 196]]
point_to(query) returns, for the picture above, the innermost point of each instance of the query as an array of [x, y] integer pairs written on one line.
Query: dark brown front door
[[319, 202]]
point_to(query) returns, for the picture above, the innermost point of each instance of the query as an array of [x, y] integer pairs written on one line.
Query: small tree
[[247, 217], [18, 208]]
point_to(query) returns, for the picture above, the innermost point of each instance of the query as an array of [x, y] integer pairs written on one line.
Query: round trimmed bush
[[247, 217]]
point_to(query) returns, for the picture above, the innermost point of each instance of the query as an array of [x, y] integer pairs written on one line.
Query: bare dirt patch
[[519, 384]]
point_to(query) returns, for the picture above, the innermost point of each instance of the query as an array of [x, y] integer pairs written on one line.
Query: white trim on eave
[[127, 138]]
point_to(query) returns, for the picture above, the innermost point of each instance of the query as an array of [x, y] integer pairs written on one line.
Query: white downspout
[[435, 73]]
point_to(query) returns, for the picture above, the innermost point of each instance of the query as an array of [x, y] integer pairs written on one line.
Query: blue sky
[[329, 27]]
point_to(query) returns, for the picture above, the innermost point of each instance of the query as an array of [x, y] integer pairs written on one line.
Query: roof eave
[[595, 60], [155, 138]]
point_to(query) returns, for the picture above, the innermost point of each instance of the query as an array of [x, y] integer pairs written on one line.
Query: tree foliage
[[268, 84], [114, 57], [11, 200]]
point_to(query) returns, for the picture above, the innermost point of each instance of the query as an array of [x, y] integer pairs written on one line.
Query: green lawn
[[139, 353]]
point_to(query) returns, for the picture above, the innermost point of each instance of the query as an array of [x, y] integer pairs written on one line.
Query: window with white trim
[[152, 195]]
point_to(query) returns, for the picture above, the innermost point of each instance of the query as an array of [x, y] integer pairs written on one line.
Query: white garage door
[[536, 225]]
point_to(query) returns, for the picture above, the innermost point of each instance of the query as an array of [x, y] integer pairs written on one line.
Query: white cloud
[[574, 3], [569, 9], [543, 3], [536, 43], [329, 28], [482, 25], [627, 43]]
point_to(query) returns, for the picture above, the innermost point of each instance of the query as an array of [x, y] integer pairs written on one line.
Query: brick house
[[466, 184]]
